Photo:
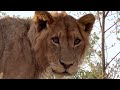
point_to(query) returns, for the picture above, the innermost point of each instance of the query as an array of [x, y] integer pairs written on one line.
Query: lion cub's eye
[[77, 41], [55, 40]]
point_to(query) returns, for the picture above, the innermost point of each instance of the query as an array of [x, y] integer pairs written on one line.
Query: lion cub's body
[[15, 50]]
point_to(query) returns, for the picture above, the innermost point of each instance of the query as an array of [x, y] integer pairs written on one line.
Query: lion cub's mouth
[[65, 73]]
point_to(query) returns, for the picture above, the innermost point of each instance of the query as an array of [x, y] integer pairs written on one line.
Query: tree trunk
[[103, 43]]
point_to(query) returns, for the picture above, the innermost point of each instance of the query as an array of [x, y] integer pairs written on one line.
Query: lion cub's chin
[[62, 76], [50, 74]]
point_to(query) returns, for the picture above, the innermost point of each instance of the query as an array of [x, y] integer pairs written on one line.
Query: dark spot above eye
[[77, 41], [55, 40]]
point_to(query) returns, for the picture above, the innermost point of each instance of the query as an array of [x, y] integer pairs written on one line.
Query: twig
[[106, 13], [96, 27], [111, 14], [111, 26], [112, 59], [99, 19]]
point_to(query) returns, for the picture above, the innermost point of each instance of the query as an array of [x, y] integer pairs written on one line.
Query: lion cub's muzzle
[[66, 68], [65, 64]]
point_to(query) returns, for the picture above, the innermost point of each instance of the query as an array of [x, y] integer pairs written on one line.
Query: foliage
[[95, 68], [93, 59]]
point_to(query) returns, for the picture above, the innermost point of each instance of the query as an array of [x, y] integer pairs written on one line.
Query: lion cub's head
[[60, 41]]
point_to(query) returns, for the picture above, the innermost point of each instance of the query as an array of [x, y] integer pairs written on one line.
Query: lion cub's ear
[[87, 21], [42, 18]]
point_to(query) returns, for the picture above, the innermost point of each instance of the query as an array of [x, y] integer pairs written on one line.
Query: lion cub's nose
[[65, 65]]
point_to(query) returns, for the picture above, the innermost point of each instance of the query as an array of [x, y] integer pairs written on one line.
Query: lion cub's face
[[66, 45], [67, 40]]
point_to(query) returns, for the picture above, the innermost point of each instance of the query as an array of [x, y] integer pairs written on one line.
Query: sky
[[21, 13], [109, 41]]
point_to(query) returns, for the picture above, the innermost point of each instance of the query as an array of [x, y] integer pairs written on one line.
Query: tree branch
[[112, 59], [112, 25], [99, 19], [103, 43], [106, 13]]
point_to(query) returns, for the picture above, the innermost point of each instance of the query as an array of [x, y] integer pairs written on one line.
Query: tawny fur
[[26, 52]]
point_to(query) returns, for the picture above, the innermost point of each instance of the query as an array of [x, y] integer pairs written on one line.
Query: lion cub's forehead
[[65, 23]]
